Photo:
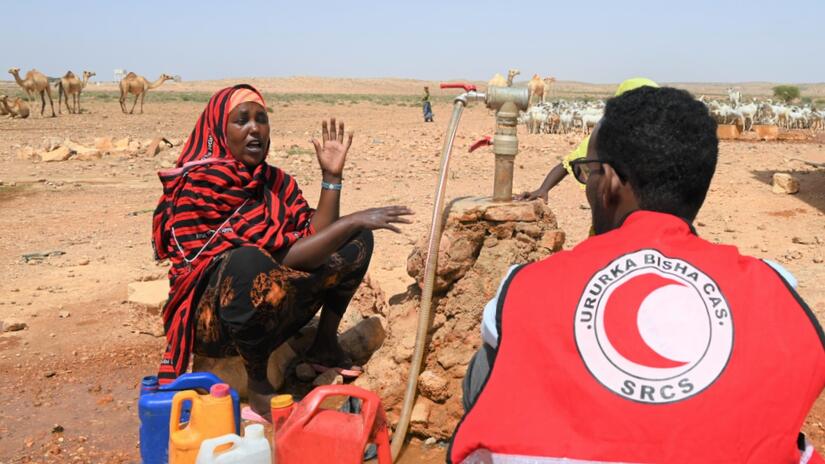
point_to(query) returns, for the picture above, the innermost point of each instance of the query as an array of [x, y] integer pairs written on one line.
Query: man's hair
[[663, 142]]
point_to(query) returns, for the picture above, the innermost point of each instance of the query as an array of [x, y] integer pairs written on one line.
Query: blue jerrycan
[[155, 408]]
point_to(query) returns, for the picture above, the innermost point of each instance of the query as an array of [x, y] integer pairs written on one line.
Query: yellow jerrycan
[[212, 415]]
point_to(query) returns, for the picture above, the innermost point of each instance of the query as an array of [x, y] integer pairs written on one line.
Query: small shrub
[[786, 93]]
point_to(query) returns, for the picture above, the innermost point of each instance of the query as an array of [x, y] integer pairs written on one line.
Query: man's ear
[[612, 185]]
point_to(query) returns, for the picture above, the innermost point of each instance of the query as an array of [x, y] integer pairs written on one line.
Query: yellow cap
[[634, 83], [280, 401]]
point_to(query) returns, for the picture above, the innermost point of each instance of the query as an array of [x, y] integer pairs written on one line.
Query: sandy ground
[[68, 384]]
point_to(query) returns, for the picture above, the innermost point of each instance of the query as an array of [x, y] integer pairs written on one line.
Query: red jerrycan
[[315, 435]]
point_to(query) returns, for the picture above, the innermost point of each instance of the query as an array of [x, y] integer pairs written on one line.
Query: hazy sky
[[594, 41]]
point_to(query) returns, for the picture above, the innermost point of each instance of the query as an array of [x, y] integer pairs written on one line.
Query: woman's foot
[[259, 395], [328, 353]]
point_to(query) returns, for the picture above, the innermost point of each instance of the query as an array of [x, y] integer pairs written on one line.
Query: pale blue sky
[[593, 41]]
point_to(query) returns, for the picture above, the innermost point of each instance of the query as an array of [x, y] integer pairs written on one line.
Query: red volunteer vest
[[648, 344]]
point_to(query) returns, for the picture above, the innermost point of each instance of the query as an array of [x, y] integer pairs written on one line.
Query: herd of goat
[[562, 116]]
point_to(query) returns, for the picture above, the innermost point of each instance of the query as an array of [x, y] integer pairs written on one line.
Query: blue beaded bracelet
[[329, 186]]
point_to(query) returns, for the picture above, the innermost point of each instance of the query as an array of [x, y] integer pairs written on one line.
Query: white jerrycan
[[253, 448]]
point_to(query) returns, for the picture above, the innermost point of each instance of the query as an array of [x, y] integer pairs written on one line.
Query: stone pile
[[481, 241], [55, 149]]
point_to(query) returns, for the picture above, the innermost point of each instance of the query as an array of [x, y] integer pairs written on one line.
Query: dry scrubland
[[68, 381]]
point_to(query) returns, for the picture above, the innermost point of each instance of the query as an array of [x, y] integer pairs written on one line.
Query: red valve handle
[[458, 85], [483, 142]]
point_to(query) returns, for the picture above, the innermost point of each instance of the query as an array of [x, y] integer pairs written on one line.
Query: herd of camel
[[539, 88], [68, 86]]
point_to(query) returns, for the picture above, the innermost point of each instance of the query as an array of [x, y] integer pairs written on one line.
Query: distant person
[[644, 343], [428, 109], [252, 263], [561, 170]]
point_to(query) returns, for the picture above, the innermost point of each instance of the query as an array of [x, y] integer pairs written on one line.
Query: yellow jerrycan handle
[[177, 407]]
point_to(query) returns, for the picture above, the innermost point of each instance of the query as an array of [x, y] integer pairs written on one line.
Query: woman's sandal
[[248, 414]]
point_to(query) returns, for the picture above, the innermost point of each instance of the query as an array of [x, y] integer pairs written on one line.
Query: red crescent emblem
[[621, 321]]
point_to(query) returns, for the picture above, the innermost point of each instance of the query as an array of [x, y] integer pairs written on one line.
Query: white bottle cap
[[254, 431]]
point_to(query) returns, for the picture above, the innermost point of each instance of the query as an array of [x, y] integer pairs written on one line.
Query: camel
[[511, 74], [18, 109], [536, 86], [497, 81], [70, 85], [35, 82], [138, 86]]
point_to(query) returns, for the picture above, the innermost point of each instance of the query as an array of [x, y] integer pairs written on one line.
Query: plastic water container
[[155, 407], [211, 415], [253, 448], [314, 435], [281, 407]]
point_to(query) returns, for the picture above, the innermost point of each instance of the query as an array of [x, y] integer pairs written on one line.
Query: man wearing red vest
[[644, 343]]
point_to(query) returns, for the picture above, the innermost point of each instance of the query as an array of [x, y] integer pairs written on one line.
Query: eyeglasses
[[582, 170]]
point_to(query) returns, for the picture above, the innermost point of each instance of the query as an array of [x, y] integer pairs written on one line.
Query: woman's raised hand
[[382, 218], [331, 150]]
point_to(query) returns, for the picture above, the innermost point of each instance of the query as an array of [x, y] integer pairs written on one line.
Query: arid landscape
[[77, 232]]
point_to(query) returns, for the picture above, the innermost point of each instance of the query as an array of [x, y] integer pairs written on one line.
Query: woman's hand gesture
[[331, 150], [381, 218]]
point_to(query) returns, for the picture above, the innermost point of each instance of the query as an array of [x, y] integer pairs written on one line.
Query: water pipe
[[506, 101], [470, 94]]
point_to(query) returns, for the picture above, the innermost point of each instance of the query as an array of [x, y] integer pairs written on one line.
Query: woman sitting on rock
[[252, 263]]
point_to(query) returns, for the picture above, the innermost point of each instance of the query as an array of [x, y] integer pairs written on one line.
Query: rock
[[421, 411], [232, 371], [27, 153], [329, 377], [430, 441], [450, 357], [157, 145], [361, 341], [766, 132], [152, 294], [83, 262], [806, 241], [531, 230], [433, 386], [134, 146], [63, 314], [522, 211], [121, 144], [727, 131], [50, 143], [90, 155], [12, 325], [305, 372], [104, 144], [785, 183], [82, 151], [58, 154], [552, 240], [456, 253]]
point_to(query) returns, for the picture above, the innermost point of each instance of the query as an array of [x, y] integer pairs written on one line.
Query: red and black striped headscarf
[[212, 203]]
